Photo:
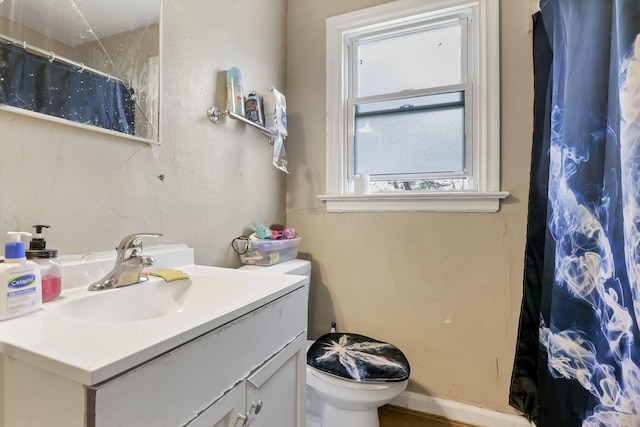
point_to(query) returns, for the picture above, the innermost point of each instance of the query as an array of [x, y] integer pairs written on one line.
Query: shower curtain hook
[[81, 67], [52, 56], [108, 77]]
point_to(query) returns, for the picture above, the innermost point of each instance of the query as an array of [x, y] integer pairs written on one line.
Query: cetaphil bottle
[[20, 281]]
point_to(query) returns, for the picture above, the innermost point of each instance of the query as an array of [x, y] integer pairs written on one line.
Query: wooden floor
[[394, 416]]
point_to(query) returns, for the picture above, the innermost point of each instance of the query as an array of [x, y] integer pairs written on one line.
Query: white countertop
[[90, 352]]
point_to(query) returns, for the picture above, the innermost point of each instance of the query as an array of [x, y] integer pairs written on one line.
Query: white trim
[[66, 122], [490, 92], [459, 412], [463, 201], [335, 98]]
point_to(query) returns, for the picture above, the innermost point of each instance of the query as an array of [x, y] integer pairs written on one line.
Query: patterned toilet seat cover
[[358, 358]]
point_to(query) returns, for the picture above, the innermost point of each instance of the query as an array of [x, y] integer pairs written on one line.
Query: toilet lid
[[358, 358]]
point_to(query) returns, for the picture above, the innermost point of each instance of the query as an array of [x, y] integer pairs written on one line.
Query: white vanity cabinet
[[225, 412], [271, 396], [274, 395], [252, 367]]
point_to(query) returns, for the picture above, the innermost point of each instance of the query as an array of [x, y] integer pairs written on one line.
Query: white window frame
[[485, 124]]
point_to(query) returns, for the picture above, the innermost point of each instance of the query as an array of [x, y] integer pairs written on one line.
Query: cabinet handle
[[243, 417], [256, 407]]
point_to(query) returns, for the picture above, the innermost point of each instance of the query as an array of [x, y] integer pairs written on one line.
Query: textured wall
[[445, 288], [93, 188]]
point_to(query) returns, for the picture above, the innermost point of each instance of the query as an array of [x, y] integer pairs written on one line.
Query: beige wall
[[443, 287], [18, 32], [93, 189], [123, 54]]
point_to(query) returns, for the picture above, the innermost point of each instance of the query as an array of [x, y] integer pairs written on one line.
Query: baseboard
[[459, 412]]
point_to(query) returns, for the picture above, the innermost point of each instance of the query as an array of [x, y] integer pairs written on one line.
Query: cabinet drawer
[[173, 388]]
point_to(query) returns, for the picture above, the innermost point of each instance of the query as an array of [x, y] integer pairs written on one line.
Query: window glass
[[420, 135], [420, 59]]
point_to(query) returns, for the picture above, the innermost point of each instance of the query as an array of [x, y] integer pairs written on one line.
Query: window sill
[[468, 201]]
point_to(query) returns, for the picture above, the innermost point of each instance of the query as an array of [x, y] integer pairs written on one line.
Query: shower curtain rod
[[53, 57]]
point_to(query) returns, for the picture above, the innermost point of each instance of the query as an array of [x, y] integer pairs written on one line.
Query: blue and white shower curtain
[[32, 82], [578, 352]]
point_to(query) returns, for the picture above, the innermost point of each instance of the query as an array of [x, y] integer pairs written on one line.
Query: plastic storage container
[[269, 252]]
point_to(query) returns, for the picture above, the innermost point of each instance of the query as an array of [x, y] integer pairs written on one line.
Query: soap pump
[[20, 280], [50, 267]]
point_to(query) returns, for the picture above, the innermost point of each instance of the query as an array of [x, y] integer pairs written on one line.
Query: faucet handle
[[133, 242]]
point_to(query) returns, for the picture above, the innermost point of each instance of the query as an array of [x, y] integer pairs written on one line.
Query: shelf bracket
[[215, 114]]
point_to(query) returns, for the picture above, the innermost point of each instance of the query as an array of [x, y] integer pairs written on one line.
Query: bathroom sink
[[130, 325], [151, 300]]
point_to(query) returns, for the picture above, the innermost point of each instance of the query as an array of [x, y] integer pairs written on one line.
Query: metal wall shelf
[[215, 114]]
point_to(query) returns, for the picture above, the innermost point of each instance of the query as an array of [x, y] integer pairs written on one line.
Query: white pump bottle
[[20, 281]]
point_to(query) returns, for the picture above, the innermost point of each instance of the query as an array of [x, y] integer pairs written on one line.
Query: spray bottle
[[20, 281]]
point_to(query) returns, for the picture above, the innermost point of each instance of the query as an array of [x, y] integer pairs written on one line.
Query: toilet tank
[[299, 267]]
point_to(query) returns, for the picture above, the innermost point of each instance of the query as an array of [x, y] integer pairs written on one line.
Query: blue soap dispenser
[[20, 281]]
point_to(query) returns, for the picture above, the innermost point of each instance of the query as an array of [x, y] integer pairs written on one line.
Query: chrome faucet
[[129, 264]]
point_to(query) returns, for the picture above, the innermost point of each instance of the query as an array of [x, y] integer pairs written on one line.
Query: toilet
[[339, 396]]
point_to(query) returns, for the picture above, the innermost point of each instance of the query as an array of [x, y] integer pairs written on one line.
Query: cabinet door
[[276, 392], [224, 412]]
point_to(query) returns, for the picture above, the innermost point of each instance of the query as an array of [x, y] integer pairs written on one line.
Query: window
[[413, 105]]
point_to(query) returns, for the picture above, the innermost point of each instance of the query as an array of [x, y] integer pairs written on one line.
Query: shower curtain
[[577, 359], [34, 83]]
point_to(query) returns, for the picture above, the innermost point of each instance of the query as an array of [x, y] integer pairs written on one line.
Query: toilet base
[[337, 417]]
